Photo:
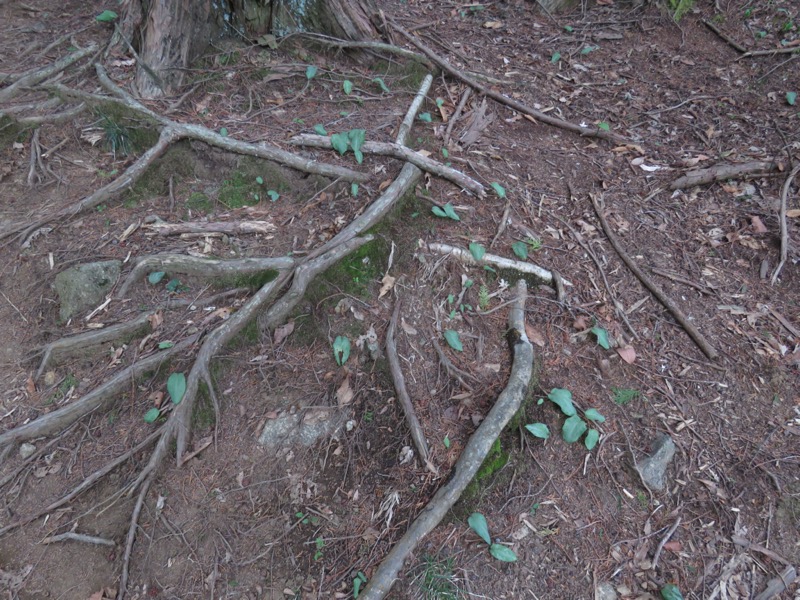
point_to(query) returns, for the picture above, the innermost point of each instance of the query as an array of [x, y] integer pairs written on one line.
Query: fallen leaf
[[758, 224], [344, 395], [580, 323], [155, 320], [627, 353], [794, 213], [282, 332], [534, 335], [30, 386], [673, 546], [156, 398], [493, 24], [387, 283], [406, 327]]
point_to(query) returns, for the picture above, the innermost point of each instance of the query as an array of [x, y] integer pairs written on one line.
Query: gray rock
[[301, 429], [605, 591], [26, 449], [654, 467], [85, 286]]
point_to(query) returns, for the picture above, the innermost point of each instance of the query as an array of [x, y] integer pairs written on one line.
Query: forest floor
[[301, 518]]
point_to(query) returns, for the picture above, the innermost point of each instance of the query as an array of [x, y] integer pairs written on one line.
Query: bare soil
[[292, 520]]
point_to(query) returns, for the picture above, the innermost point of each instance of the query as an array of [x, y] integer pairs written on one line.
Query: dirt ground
[[302, 517]]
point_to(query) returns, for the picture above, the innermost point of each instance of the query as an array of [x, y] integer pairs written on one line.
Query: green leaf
[[446, 441], [356, 138], [273, 195], [425, 117], [439, 212], [568, 28], [477, 251], [359, 156], [593, 415], [671, 592], [451, 212], [347, 86], [341, 349], [156, 277], [539, 430], [573, 429], [151, 415], [563, 398], [319, 129], [223, 131], [311, 72], [164, 345], [452, 339], [791, 98], [340, 142], [602, 336], [591, 439], [503, 553], [173, 285], [445, 152], [260, 180], [501, 191], [382, 85], [176, 387], [354, 189], [587, 49], [520, 249], [604, 126], [477, 522], [556, 57], [106, 17]]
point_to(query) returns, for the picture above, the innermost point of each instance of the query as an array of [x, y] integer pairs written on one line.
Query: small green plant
[[347, 86], [437, 581], [680, 8], [306, 519], [453, 340], [446, 212], [499, 189], [341, 349], [311, 72], [107, 16], [478, 524], [176, 388], [446, 442], [671, 592], [602, 337], [623, 396], [350, 139], [483, 297], [117, 137], [535, 243], [477, 251], [426, 117], [359, 580], [575, 426], [320, 544]]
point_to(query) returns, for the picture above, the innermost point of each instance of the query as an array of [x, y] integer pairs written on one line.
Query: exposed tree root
[[36, 76], [471, 459], [203, 228], [783, 224]]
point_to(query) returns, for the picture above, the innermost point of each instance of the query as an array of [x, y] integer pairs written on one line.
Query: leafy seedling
[[347, 86], [320, 130], [359, 580], [478, 524], [151, 415], [671, 592], [165, 344], [791, 98], [604, 126], [340, 142], [354, 189], [341, 349], [176, 387], [501, 191], [452, 339], [602, 337], [425, 117], [260, 180], [107, 16], [624, 395], [556, 57], [273, 195], [446, 211], [382, 85], [355, 138], [320, 544], [483, 297], [574, 427], [223, 131], [311, 72], [520, 249], [446, 441], [477, 251]]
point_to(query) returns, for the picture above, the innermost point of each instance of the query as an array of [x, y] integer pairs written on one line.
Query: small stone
[[654, 467], [84, 287], [26, 450], [605, 591]]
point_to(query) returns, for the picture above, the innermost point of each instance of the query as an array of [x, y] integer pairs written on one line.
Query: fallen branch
[[471, 459], [78, 537], [201, 267], [722, 172], [680, 317], [784, 228], [412, 421], [402, 152], [226, 227], [518, 106], [36, 76], [786, 50], [496, 261]]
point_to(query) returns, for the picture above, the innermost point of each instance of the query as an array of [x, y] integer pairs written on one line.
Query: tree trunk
[[171, 34]]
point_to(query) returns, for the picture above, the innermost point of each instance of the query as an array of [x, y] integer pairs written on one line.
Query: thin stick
[[784, 229], [134, 524], [693, 332], [471, 459], [732, 43], [663, 541], [498, 97], [78, 537], [464, 97], [417, 435]]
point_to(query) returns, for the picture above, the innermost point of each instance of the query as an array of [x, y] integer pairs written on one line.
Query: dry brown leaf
[[674, 546], [493, 24], [30, 386], [282, 332], [794, 213], [534, 335], [384, 184], [406, 327], [580, 323], [387, 283], [758, 224], [155, 320], [344, 395], [627, 353], [156, 398]]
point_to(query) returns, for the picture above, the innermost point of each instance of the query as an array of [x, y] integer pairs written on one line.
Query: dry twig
[[784, 228]]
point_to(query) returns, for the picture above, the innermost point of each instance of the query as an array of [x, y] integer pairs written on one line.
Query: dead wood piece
[[83, 342], [779, 584], [412, 421], [673, 308], [497, 96], [784, 226], [201, 267], [398, 151], [59, 117], [787, 50], [413, 109], [94, 400], [226, 227], [456, 115], [722, 172], [478, 122], [31, 78], [745, 543], [497, 261], [78, 537], [471, 459]]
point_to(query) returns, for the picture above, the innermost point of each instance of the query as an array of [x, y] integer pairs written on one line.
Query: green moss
[[354, 274], [178, 162], [125, 131], [253, 281], [239, 191], [248, 336], [494, 462], [203, 414], [198, 201], [10, 131], [407, 76]]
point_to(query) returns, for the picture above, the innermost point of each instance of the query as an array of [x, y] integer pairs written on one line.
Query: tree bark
[[171, 34]]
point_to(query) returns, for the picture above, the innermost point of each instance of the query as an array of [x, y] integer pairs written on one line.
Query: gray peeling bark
[[173, 33]]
